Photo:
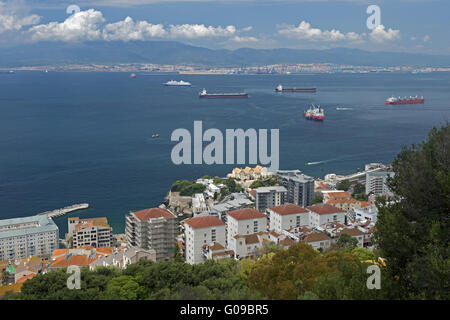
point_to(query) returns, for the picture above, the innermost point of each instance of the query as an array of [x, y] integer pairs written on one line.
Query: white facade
[[323, 213], [288, 216], [244, 227], [197, 235]]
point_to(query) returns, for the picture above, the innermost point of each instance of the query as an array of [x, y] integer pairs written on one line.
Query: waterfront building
[[198, 203], [29, 236], [266, 197], [321, 214], [248, 173], [376, 183], [153, 228], [300, 187], [94, 232], [287, 216], [202, 233]]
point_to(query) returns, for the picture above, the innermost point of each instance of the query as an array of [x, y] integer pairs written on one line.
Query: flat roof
[[44, 224]]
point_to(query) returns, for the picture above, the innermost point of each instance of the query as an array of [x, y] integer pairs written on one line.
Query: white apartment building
[[201, 233], [94, 232], [30, 236], [153, 228], [376, 182], [321, 214], [244, 222], [367, 213], [287, 216]]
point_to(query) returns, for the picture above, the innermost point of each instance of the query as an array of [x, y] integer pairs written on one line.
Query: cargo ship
[[280, 88], [204, 94], [314, 113], [405, 100], [173, 83]]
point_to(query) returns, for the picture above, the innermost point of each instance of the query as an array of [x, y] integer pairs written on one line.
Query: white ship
[[173, 83]]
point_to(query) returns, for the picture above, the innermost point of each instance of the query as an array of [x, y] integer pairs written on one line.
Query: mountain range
[[172, 52]]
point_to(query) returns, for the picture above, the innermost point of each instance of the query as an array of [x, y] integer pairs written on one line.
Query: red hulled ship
[[405, 100], [314, 113]]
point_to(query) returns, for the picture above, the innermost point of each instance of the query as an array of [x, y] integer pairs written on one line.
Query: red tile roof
[[316, 236], [352, 232], [289, 208], [25, 278], [324, 209], [245, 214], [152, 213], [204, 222]]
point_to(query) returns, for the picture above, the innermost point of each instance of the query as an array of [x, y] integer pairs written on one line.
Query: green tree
[[363, 254], [343, 185], [413, 234], [318, 198], [346, 241]]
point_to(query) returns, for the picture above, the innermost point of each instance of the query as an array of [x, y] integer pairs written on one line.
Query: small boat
[[173, 83], [156, 135], [133, 75]]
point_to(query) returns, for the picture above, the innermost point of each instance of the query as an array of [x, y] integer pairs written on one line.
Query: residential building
[[153, 228], [248, 173], [81, 257], [287, 216], [367, 213], [121, 258], [94, 232], [217, 252], [266, 197], [355, 233], [234, 201], [198, 203], [200, 232], [376, 182], [30, 236], [321, 214], [249, 245], [300, 187], [244, 222]]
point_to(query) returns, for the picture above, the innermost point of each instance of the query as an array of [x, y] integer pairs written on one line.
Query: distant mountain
[[171, 52]]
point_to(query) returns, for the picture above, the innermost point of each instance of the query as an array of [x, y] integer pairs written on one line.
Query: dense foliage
[[343, 185], [265, 183], [413, 234], [187, 188]]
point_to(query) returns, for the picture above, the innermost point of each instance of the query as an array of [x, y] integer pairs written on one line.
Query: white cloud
[[304, 31], [83, 25], [243, 39], [10, 20], [127, 30], [192, 31], [380, 35]]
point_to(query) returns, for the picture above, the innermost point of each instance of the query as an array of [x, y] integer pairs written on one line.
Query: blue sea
[[72, 137]]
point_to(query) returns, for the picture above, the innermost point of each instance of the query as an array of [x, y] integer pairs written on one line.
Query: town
[[235, 217]]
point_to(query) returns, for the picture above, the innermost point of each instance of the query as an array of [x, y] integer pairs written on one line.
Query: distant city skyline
[[406, 25]]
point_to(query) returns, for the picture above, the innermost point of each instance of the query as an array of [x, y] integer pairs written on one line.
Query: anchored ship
[[405, 100], [204, 94], [280, 88], [314, 113], [173, 83]]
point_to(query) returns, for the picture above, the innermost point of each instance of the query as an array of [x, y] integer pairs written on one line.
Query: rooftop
[[153, 213], [204, 222], [324, 209], [245, 214], [26, 226], [289, 208]]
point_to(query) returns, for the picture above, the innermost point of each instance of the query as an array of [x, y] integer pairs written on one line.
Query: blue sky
[[406, 25]]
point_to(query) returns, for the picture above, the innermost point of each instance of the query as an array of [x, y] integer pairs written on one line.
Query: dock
[[63, 211]]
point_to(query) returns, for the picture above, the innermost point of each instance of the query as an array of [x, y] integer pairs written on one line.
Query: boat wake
[[344, 109]]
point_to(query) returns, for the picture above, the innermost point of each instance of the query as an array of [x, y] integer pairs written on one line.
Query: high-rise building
[[94, 232], [376, 182], [29, 236], [266, 197], [153, 228], [300, 187]]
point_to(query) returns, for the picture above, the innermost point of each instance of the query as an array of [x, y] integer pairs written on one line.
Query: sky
[[404, 25]]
